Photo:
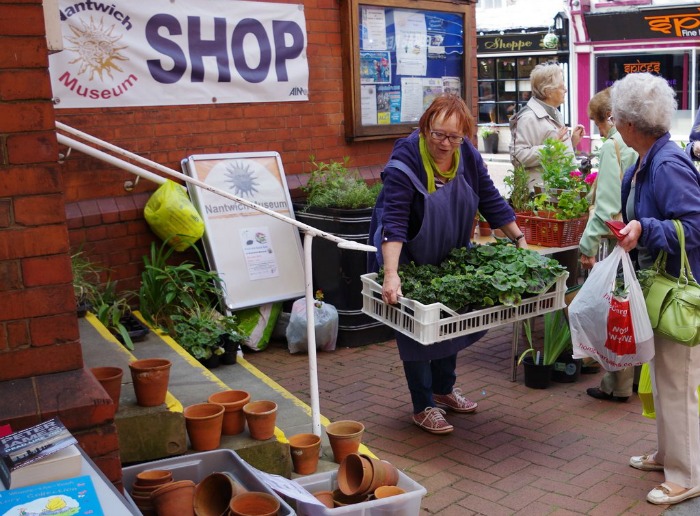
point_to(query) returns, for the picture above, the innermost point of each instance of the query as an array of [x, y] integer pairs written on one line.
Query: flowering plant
[[560, 170]]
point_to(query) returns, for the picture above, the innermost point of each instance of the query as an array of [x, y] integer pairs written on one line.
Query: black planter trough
[[337, 271]]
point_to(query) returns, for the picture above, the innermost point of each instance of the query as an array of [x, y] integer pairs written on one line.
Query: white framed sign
[[259, 257]]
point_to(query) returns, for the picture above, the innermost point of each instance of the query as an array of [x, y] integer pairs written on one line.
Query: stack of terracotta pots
[[218, 494], [359, 475], [146, 483]]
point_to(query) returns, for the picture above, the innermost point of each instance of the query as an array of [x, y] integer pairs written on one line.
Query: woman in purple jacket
[[661, 187], [434, 183]]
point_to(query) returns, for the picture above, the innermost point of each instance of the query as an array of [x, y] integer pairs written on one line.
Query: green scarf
[[431, 168]]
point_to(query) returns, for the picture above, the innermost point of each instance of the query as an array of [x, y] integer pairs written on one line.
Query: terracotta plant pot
[[153, 477], [174, 499], [355, 475], [305, 450], [254, 503], [341, 500], [383, 473], [345, 438], [150, 377], [111, 380], [232, 401], [213, 495], [204, 422], [261, 416], [325, 497], [387, 491]]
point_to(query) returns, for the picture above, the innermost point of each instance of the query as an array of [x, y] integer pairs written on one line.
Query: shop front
[[610, 43], [505, 59]]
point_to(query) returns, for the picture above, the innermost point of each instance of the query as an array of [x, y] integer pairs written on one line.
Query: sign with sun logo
[[259, 256], [160, 52]]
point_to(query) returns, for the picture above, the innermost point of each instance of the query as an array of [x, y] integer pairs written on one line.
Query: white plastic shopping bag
[[611, 324]]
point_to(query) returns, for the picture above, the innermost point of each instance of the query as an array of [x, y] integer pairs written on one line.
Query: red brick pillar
[[38, 327], [41, 363]]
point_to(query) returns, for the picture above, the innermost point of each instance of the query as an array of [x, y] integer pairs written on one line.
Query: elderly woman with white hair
[[661, 187], [541, 119]]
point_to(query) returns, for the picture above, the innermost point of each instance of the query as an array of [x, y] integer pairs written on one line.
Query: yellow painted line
[[171, 402]]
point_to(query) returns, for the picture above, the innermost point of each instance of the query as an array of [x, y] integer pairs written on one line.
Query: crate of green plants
[[473, 289]]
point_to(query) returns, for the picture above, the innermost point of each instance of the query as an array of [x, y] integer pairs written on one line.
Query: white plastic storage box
[[406, 504], [433, 323], [197, 466]]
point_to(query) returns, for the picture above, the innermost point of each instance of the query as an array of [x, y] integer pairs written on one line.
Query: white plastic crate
[[433, 323], [406, 504]]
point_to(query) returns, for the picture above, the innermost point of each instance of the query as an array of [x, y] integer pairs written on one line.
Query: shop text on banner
[[136, 53]]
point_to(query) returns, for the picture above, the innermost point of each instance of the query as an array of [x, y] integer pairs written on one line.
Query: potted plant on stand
[[339, 202], [538, 362], [557, 215], [489, 135]]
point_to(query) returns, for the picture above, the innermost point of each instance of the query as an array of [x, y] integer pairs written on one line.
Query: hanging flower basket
[[550, 232]]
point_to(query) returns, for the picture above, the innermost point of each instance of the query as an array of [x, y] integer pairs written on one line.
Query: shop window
[[397, 59], [504, 86], [675, 67]]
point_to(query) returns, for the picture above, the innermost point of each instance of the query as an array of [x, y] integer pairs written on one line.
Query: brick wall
[[38, 330], [167, 134]]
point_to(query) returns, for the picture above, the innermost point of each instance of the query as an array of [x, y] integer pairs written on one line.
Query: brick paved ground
[[525, 451]]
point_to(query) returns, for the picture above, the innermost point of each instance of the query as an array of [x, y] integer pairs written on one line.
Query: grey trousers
[[675, 376], [618, 383]]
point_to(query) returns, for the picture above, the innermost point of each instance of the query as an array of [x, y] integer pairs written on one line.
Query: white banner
[[167, 52]]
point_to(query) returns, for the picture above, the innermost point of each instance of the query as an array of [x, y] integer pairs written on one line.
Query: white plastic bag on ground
[[613, 330], [325, 324]]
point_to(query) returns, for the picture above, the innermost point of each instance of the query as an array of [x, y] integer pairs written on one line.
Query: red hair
[[445, 106]]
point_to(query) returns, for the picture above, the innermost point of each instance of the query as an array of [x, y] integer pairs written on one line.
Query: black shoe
[[596, 393]]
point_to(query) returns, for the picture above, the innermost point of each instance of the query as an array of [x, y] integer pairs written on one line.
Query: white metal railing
[[309, 231]]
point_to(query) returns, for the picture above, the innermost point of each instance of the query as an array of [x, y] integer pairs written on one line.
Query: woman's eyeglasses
[[441, 137]]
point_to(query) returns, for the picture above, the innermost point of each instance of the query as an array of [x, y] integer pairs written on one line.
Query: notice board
[[258, 256]]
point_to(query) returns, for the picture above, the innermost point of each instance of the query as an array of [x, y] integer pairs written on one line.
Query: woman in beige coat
[[541, 119]]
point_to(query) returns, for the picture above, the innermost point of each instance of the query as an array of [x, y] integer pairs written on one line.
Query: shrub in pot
[[199, 332]]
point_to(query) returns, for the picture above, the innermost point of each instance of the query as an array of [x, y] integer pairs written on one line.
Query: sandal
[[645, 463], [668, 493]]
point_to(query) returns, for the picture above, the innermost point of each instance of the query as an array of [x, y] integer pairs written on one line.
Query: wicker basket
[[550, 232]]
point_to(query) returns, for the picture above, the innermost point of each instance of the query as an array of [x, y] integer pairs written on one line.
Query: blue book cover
[[69, 497]]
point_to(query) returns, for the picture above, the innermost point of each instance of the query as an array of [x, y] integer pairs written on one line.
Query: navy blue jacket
[[667, 188]]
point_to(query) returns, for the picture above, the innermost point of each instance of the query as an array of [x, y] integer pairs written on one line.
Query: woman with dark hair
[[434, 183], [663, 186], [614, 157]]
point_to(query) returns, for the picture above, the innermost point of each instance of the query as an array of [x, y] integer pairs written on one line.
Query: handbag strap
[[686, 274], [619, 158]]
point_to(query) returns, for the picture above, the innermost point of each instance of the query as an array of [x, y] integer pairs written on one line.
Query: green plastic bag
[[257, 324], [644, 391], [173, 217]]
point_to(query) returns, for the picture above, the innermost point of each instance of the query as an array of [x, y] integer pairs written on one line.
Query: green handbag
[[673, 304]]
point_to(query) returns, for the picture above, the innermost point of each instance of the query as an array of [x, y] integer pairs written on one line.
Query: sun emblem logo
[[241, 179], [97, 49]]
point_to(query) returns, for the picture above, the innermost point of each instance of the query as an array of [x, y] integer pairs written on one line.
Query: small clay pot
[[261, 416], [174, 499], [387, 491], [232, 401], [345, 438], [204, 422], [213, 495], [305, 450], [340, 499], [325, 497], [150, 377], [254, 503], [153, 477], [111, 380], [383, 473], [355, 475]]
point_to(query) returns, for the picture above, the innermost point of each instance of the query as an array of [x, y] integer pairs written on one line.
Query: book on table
[[67, 497], [41, 453]]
